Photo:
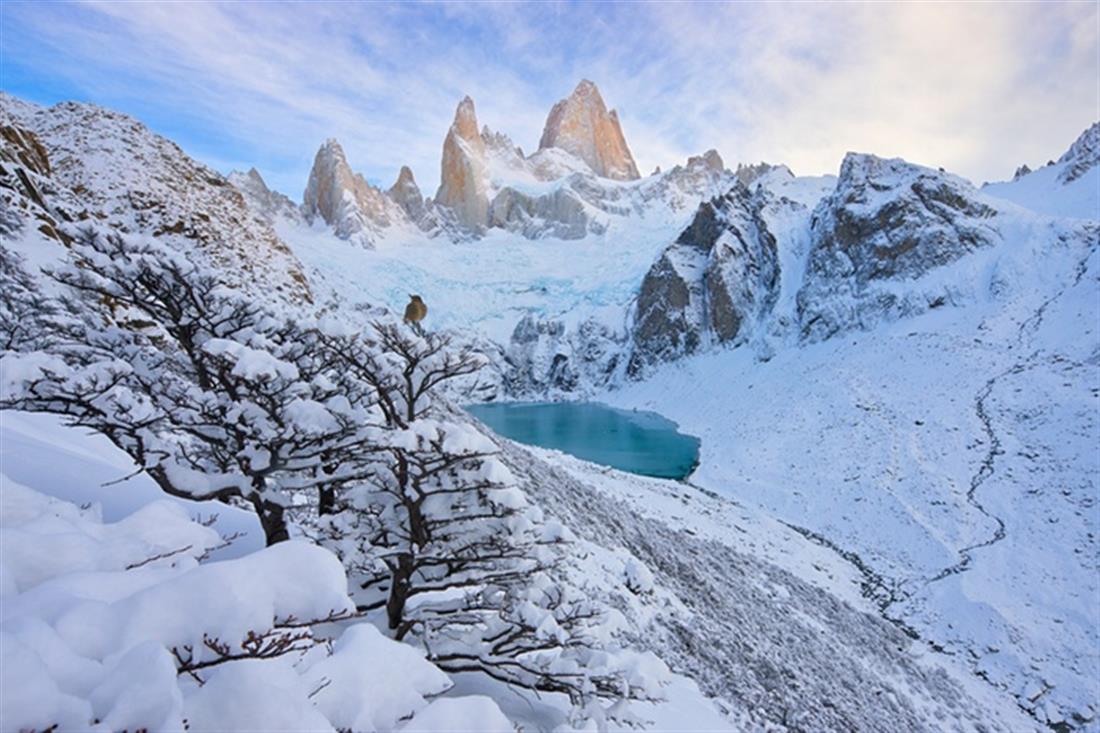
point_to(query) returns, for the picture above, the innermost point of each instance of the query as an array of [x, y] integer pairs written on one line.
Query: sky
[[975, 87]]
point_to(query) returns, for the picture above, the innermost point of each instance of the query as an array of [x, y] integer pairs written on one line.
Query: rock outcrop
[[28, 197], [406, 194], [269, 204], [749, 174], [717, 279], [355, 209], [887, 220], [545, 357], [463, 185], [560, 213], [684, 186], [582, 125]]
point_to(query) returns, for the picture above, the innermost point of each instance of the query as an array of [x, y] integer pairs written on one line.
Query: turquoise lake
[[640, 442]]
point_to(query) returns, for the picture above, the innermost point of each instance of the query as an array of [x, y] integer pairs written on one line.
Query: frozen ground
[[774, 625]]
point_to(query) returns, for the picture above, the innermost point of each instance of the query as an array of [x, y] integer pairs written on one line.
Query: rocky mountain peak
[[748, 174], [270, 205], [328, 179], [711, 284], [710, 160], [406, 194], [344, 199], [582, 125], [1083, 155], [500, 143], [465, 122], [463, 188], [887, 219]]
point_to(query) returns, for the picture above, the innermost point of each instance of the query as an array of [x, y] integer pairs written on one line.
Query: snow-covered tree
[[213, 394], [441, 538], [23, 306]]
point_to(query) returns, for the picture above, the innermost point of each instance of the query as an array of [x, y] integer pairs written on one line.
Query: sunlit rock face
[[582, 125], [356, 210], [406, 194], [463, 185]]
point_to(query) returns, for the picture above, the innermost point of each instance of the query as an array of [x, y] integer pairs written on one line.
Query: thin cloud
[[974, 87]]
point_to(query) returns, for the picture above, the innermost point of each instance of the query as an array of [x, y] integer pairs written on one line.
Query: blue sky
[[975, 87]]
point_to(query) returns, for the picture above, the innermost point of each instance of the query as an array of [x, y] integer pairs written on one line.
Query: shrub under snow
[[122, 627]]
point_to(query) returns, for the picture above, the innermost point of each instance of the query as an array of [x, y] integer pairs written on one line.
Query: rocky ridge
[[269, 204], [93, 164], [569, 188], [355, 209], [1082, 156], [711, 285], [888, 221]]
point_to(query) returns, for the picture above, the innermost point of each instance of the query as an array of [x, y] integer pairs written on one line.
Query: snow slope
[[1069, 186], [946, 446], [934, 462], [954, 453], [488, 285], [751, 609]]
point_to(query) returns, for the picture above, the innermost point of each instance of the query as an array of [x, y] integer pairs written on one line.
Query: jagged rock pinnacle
[[581, 124]]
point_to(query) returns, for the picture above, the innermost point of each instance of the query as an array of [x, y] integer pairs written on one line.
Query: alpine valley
[[894, 374]]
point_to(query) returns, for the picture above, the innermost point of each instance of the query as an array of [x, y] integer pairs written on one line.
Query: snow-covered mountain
[[893, 373], [1065, 187], [570, 188], [88, 163]]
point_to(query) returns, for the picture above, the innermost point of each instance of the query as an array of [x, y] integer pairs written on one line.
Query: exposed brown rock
[[462, 182], [406, 194], [582, 125], [344, 199], [22, 146]]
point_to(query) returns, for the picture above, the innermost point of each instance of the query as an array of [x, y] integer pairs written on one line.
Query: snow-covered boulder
[[126, 626]]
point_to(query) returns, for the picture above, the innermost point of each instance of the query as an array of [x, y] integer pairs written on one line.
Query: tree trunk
[[399, 592], [326, 502], [272, 520]]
